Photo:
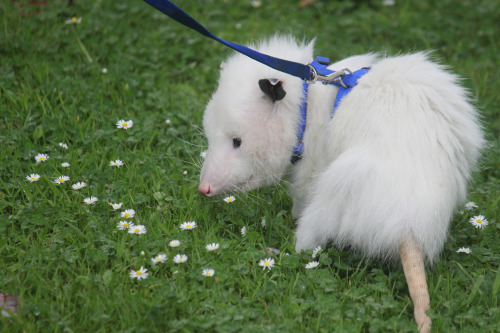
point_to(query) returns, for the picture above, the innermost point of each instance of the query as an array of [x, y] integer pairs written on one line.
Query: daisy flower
[[316, 251], [116, 163], [203, 154], [137, 229], [128, 213], [90, 201], [180, 258], [104, 70], [466, 250], [256, 4], [78, 185], [470, 205], [73, 20], [229, 199], [208, 272], [168, 122], [116, 206], [184, 172], [139, 274], [479, 221], [161, 258], [41, 158], [124, 124], [188, 225], [267, 263], [243, 231], [63, 145], [65, 164], [124, 225], [174, 243], [142, 253], [312, 264], [33, 177], [61, 179], [212, 247]]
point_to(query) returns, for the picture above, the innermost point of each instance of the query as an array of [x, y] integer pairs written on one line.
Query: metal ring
[[314, 75]]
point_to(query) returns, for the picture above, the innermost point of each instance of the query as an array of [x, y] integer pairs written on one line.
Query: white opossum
[[386, 171]]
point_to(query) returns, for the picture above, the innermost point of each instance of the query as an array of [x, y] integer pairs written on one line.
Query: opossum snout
[[205, 189]]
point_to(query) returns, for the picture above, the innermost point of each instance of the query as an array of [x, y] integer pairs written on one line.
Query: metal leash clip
[[331, 77]]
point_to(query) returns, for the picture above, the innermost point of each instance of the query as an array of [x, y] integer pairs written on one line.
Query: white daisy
[[180, 258], [142, 253], [208, 272], [139, 274], [168, 122], [267, 263], [212, 247], [63, 145], [116, 206], [243, 231], [61, 179], [159, 259], [65, 164], [33, 177], [124, 124], [104, 70], [184, 172], [90, 201], [470, 205], [128, 213], [316, 251], [229, 199], [188, 225], [73, 20], [78, 185], [479, 221], [137, 229], [116, 163], [41, 158], [466, 250], [312, 264], [124, 225], [203, 154], [174, 243], [256, 4]]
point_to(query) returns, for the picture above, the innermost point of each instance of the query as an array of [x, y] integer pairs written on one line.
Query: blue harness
[[310, 73]]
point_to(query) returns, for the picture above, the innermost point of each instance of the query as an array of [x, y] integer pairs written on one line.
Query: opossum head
[[251, 120]]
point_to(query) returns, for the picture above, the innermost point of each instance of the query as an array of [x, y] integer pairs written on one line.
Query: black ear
[[272, 88]]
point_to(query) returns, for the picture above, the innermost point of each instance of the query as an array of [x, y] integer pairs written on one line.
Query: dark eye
[[236, 142]]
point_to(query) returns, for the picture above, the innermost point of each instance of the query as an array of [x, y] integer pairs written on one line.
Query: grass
[[69, 264]]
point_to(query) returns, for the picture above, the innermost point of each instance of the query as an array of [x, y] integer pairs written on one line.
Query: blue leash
[[310, 73], [316, 71]]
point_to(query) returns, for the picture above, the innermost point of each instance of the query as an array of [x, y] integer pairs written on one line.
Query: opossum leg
[[413, 267]]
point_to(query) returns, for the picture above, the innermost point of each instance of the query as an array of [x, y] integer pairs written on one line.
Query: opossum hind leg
[[333, 199]]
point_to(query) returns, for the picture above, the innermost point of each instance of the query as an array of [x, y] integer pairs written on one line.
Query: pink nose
[[204, 189]]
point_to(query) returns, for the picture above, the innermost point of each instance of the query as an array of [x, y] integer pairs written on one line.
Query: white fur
[[394, 161]]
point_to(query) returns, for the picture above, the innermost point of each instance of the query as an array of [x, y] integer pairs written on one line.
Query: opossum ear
[[272, 88]]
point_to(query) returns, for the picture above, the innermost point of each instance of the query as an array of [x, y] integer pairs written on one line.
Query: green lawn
[[69, 264]]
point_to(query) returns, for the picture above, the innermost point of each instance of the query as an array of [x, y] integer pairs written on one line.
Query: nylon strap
[[293, 68], [349, 81]]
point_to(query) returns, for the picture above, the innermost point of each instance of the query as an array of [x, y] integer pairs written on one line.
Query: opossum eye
[[236, 142]]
